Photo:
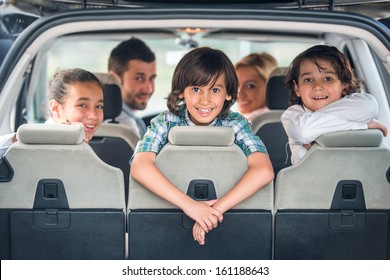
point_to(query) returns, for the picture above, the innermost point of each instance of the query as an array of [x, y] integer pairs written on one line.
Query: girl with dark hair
[[75, 96], [324, 99]]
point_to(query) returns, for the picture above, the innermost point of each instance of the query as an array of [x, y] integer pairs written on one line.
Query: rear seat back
[[199, 160], [268, 125], [114, 143], [62, 201], [335, 202]]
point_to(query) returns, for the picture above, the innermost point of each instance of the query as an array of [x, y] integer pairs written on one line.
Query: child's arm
[[259, 174], [351, 112], [145, 171], [6, 141], [356, 107], [304, 127]]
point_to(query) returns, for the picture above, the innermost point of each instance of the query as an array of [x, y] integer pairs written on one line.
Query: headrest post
[[277, 95]]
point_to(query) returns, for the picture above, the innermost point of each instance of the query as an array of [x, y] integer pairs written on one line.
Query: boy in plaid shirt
[[204, 87]]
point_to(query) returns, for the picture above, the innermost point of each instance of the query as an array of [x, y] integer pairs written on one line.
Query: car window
[[93, 55]]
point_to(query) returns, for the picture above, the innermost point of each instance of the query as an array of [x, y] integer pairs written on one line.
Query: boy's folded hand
[[202, 213], [199, 234], [378, 125]]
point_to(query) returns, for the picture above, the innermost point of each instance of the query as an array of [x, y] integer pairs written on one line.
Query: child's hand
[[88, 135], [307, 146], [199, 234], [198, 231], [66, 121], [202, 213], [61, 121], [14, 138], [378, 125]]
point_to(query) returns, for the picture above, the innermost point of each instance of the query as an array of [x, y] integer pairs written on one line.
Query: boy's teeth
[[320, 97], [204, 111]]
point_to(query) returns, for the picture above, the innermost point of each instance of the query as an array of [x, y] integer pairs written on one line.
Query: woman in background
[[253, 72]]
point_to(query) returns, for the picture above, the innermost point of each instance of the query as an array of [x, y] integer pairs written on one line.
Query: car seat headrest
[[277, 95], [351, 138], [201, 136], [52, 134], [112, 96], [106, 78], [112, 101]]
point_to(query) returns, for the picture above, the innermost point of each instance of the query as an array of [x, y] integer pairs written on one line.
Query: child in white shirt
[[324, 99]]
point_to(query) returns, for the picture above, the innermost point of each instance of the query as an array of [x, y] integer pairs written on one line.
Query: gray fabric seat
[[114, 143], [61, 201], [199, 160], [268, 125], [335, 202]]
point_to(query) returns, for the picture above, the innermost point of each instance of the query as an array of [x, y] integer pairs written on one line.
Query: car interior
[[321, 208], [48, 210], [348, 209], [211, 149]]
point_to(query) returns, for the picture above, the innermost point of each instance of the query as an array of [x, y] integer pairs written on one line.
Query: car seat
[[114, 143], [205, 163], [335, 202], [268, 125], [58, 200]]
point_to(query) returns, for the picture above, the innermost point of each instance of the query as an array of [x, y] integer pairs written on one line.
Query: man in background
[[133, 65]]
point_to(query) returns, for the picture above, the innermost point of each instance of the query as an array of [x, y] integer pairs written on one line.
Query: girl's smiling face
[[204, 103], [83, 104], [318, 85]]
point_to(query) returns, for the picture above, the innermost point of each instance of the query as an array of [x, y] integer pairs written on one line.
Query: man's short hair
[[132, 49]]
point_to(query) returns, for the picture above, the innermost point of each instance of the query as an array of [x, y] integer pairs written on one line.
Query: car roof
[[377, 9], [17, 15], [213, 12]]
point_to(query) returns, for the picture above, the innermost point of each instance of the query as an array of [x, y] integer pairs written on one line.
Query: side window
[[347, 53], [37, 102], [384, 72]]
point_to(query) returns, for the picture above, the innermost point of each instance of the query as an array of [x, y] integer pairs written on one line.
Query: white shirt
[[303, 126], [5, 143], [127, 117]]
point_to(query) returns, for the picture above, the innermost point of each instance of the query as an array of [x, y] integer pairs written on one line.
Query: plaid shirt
[[157, 134]]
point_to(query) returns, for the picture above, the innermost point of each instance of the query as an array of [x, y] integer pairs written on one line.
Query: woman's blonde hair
[[264, 63]]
